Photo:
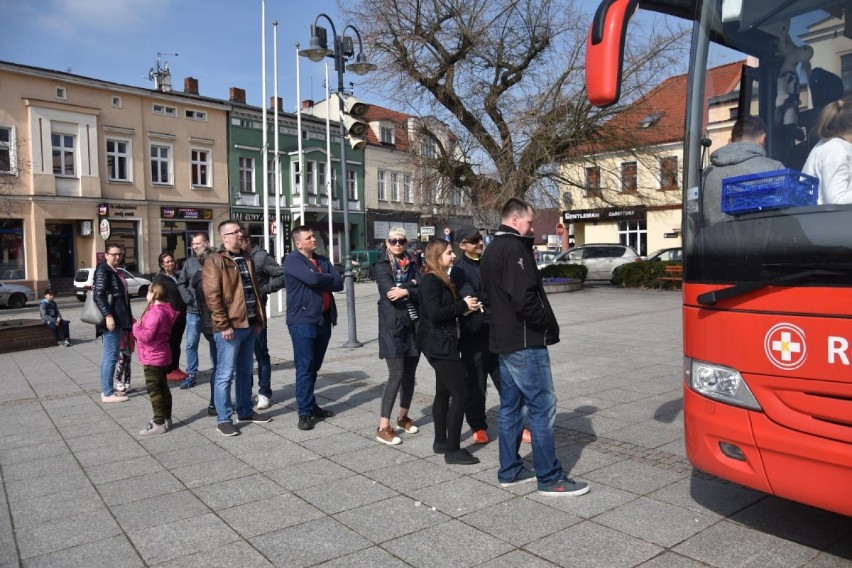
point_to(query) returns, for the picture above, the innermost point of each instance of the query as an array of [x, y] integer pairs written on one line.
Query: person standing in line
[[191, 267], [230, 291], [522, 326], [438, 339], [270, 278], [205, 323], [311, 313], [153, 334], [169, 280], [52, 318], [397, 276], [118, 317], [477, 359], [830, 161]]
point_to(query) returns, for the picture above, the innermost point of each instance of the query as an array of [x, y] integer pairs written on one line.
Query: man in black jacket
[[522, 326], [270, 278], [477, 358]]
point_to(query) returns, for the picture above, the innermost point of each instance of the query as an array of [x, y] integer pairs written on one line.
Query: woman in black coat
[[440, 309], [168, 278], [397, 277]]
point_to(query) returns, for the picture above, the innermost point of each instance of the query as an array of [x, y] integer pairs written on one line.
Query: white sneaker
[[263, 402], [153, 428]]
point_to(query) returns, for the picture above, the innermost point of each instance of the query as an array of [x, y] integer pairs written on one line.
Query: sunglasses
[[474, 240], [395, 242]]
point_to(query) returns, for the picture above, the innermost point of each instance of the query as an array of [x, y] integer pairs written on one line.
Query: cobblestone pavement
[[80, 488]]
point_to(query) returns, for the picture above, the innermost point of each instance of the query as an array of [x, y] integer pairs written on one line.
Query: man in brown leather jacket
[[231, 292]]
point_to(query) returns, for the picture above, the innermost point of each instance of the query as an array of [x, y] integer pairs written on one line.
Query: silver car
[[600, 259], [15, 295], [85, 277]]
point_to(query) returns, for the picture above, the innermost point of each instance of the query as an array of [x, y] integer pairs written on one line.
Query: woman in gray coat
[[397, 277]]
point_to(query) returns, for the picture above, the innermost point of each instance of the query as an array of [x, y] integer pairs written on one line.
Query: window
[[195, 114], [61, 93], [593, 179], [634, 234], [161, 164], [386, 133], [628, 177], [394, 186], [321, 178], [5, 149], [309, 177], [427, 148], [63, 155], [270, 177], [116, 102], [297, 178], [846, 72], [351, 185], [165, 110], [668, 173], [200, 167], [118, 160], [247, 175], [406, 188], [12, 265], [380, 187]]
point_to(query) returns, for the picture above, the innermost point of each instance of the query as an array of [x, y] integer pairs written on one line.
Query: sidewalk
[[82, 489]]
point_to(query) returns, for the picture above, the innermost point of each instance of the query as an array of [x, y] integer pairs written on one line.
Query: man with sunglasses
[[477, 359]]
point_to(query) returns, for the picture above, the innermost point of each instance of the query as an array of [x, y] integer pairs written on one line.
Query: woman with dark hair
[[109, 290], [168, 279], [438, 338], [397, 276]]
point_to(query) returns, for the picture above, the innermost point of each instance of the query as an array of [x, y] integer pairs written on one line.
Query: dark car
[[673, 254]]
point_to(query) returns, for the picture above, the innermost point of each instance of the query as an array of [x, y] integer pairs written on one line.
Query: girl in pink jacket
[[152, 333]]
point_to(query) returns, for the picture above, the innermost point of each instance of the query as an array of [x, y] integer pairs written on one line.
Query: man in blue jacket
[[522, 326], [311, 312]]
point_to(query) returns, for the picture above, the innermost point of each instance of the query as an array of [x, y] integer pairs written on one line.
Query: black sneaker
[[526, 476], [211, 411], [322, 414], [227, 429], [255, 417], [439, 446], [460, 457], [565, 486], [306, 422]]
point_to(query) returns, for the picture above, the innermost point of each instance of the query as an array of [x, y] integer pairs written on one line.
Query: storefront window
[[176, 236], [123, 234], [634, 234], [12, 249]]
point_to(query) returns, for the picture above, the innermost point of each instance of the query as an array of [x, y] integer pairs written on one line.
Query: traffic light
[[356, 129]]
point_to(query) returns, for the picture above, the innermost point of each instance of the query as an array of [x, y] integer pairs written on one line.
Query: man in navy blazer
[[311, 312]]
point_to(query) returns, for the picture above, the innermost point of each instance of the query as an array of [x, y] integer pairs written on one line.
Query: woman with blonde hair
[[397, 277], [153, 332], [438, 338], [830, 161]]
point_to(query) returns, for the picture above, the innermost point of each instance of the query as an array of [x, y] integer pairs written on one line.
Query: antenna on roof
[[160, 74]]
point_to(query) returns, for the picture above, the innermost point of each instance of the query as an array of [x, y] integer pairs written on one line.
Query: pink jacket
[[152, 335]]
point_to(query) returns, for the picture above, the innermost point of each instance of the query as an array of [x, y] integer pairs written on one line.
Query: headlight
[[719, 383]]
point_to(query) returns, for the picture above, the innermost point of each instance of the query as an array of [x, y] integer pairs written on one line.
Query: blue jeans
[[112, 342], [309, 345], [193, 335], [526, 381], [264, 364], [234, 359]]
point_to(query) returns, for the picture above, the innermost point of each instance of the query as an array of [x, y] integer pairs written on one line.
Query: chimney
[[190, 86], [237, 95], [279, 106], [307, 103]]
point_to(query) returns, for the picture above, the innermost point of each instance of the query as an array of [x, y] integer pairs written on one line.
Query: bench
[[673, 273]]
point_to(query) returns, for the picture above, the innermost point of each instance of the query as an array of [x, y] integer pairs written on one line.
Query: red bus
[[767, 292]]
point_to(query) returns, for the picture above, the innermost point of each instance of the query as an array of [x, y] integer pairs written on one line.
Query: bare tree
[[508, 77], [13, 169]]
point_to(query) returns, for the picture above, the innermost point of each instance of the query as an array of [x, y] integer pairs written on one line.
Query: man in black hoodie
[[522, 326]]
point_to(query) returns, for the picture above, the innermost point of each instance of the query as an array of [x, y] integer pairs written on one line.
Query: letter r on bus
[[837, 346]]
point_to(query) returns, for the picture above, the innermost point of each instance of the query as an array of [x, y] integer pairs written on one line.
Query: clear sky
[[217, 41]]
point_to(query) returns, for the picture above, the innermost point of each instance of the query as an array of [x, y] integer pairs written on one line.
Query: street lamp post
[[343, 51]]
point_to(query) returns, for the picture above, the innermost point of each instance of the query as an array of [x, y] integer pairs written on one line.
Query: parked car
[[600, 259], [674, 254], [85, 277], [15, 295], [545, 257]]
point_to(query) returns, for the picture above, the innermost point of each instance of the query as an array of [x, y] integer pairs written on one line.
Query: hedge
[[643, 275], [563, 270]]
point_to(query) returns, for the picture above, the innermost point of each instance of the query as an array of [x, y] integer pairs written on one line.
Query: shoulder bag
[[91, 314]]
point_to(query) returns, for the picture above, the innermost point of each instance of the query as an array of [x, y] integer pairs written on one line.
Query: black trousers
[[401, 371], [479, 363], [450, 400], [175, 340]]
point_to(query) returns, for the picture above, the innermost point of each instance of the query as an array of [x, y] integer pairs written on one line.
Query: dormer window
[[386, 133], [650, 120]]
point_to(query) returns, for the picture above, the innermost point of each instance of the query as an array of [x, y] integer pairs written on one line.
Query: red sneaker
[[480, 437], [176, 375], [526, 437]]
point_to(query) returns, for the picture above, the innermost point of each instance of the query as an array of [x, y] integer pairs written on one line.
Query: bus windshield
[[770, 202]]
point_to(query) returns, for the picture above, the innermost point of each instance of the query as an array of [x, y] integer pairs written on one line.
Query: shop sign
[[186, 213], [105, 229], [605, 215], [257, 217], [122, 210]]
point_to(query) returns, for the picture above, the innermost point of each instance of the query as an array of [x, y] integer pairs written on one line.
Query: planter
[[23, 334], [557, 285]]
